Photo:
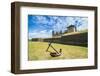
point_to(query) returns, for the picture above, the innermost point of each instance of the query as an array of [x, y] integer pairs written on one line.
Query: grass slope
[[37, 51]]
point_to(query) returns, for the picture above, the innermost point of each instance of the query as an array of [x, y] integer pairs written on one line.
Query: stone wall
[[80, 39], [76, 39]]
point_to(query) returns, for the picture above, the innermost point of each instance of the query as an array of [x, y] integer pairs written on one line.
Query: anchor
[[56, 53]]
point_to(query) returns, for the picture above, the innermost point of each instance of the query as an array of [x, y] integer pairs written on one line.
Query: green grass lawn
[[37, 51]]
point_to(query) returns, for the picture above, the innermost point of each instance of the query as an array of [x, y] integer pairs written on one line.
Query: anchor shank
[[48, 47]]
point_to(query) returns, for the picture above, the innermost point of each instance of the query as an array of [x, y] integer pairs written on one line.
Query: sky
[[41, 26]]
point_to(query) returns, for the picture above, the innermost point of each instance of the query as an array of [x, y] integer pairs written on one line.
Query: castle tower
[[71, 28]]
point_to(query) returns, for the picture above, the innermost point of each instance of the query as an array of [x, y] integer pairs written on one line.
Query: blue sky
[[41, 26]]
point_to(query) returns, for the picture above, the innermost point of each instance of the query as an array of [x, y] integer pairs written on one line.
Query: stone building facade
[[71, 28]]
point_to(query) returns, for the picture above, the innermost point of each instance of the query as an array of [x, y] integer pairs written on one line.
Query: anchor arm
[[55, 49], [48, 46]]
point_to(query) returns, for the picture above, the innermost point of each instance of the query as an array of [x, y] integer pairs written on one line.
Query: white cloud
[[62, 23], [40, 34], [42, 19], [84, 24], [57, 23]]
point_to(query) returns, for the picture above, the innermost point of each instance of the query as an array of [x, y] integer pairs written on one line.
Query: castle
[[71, 28]]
